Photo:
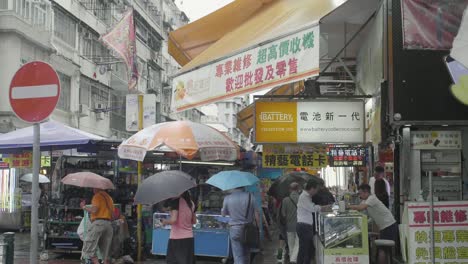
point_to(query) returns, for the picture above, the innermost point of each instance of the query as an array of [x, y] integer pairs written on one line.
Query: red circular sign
[[34, 91]]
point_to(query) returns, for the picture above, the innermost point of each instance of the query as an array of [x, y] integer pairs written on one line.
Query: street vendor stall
[[211, 234]]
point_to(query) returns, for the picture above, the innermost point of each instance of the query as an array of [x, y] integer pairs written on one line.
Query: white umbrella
[[28, 178]]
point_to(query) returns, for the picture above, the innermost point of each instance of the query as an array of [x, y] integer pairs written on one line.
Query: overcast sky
[[196, 9]]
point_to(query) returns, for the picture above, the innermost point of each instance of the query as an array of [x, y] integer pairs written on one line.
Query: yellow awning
[[241, 25]]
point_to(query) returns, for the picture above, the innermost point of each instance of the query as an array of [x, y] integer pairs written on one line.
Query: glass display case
[[211, 235], [342, 237]]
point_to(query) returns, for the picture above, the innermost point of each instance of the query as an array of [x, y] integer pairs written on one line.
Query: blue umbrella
[[228, 180]]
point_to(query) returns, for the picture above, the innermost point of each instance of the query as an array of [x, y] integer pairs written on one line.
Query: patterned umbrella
[[88, 180], [186, 138]]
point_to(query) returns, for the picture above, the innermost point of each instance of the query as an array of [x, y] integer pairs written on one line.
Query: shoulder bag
[[251, 236]]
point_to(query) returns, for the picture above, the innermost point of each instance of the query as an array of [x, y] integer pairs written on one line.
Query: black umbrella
[[280, 188], [164, 185]]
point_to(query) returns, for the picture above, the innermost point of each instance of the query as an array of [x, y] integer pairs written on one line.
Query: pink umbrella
[[88, 180]]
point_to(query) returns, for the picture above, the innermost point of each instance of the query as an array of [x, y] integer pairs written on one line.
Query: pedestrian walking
[[240, 206], [289, 213], [381, 215], [305, 222], [181, 249], [99, 235]]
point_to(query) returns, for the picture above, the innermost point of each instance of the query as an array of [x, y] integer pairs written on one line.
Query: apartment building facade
[[65, 34]]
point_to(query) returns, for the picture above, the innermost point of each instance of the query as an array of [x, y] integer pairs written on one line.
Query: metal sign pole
[[140, 170], [431, 195], [33, 255]]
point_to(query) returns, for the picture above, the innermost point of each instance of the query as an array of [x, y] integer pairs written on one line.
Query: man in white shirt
[[379, 173], [305, 222], [381, 215]]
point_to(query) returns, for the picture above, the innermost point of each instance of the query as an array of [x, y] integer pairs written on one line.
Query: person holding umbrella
[[167, 185], [100, 232], [180, 249], [240, 206]]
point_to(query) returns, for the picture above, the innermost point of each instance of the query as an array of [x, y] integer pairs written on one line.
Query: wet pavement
[[22, 244]]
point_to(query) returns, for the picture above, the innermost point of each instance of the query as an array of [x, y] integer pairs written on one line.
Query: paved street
[[22, 243]]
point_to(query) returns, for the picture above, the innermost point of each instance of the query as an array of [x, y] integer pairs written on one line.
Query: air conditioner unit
[[99, 116], [99, 107], [83, 110]]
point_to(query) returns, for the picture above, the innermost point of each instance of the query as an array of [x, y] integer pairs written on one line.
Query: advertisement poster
[[285, 60], [149, 111], [429, 24], [436, 139], [309, 122], [450, 232]]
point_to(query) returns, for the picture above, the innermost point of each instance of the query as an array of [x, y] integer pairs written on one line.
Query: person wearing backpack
[[288, 215]]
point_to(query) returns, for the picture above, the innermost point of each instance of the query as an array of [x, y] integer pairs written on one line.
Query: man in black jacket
[[323, 196]]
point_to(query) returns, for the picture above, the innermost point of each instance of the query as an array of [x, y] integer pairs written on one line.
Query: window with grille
[[93, 93], [65, 92], [64, 27]]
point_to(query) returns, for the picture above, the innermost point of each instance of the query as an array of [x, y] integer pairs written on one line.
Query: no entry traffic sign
[[34, 91]]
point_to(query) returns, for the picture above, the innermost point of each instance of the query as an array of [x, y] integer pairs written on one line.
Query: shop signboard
[[23, 160], [346, 156], [45, 161], [4, 165], [309, 122], [294, 156], [450, 232], [149, 111], [285, 60], [357, 258], [436, 139]]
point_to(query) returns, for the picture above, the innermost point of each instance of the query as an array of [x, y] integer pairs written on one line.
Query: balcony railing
[[36, 13]]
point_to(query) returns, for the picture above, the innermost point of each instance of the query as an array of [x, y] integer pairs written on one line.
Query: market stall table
[[211, 235]]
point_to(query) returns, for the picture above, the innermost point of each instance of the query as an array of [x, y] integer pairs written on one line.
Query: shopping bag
[[83, 227]]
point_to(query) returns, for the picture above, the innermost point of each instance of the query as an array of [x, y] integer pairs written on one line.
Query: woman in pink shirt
[[180, 249]]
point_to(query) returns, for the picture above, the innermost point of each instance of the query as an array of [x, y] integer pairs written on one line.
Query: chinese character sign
[[450, 232], [347, 156], [309, 122], [436, 139], [23, 160], [282, 61], [304, 160], [431, 24], [346, 259]]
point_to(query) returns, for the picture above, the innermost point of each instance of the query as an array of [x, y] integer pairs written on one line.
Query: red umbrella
[[88, 180]]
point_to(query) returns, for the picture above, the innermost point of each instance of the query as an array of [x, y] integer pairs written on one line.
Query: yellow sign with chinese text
[[306, 160], [23, 160]]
